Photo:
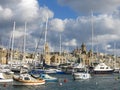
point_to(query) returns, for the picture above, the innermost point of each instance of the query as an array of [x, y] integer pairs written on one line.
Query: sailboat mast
[[60, 44], [46, 30], [24, 42], [12, 41], [92, 31], [45, 35], [115, 54], [9, 47]]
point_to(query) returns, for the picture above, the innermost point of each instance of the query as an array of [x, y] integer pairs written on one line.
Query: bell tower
[[83, 48], [46, 49]]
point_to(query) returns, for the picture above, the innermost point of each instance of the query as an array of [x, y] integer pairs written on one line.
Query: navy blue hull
[[103, 72], [60, 72]]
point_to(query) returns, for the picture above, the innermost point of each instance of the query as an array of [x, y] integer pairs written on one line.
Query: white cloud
[[74, 31], [18, 34], [98, 6], [27, 10], [57, 25], [6, 13], [72, 42], [45, 13]]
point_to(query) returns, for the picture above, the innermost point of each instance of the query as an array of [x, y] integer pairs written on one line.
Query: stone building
[[47, 55], [53, 58], [57, 59], [3, 54], [84, 55], [83, 49]]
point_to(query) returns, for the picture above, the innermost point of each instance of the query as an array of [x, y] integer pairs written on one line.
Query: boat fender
[[5, 85], [60, 84], [65, 80]]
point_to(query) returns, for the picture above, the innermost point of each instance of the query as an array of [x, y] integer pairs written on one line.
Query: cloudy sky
[[72, 19]]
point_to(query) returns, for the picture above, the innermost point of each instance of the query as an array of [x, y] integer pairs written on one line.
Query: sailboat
[[6, 75], [116, 69], [16, 67]]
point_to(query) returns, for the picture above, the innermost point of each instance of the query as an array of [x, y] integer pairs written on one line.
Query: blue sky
[[60, 11], [70, 18]]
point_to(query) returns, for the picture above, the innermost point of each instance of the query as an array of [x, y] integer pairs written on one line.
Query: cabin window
[[27, 78], [83, 75], [101, 67], [106, 67]]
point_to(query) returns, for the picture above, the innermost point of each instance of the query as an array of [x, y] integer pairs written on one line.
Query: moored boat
[[26, 79], [36, 71], [116, 70], [59, 71], [46, 77], [50, 70], [102, 68], [81, 76]]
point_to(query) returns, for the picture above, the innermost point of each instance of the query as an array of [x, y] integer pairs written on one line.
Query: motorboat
[[26, 79], [46, 77], [36, 71], [59, 71], [102, 68], [50, 70], [81, 76], [67, 69], [79, 67], [116, 70], [16, 68]]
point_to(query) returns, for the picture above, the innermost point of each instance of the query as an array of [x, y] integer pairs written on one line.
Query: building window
[[57, 60]]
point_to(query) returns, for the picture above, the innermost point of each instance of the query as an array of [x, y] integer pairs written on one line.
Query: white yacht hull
[[81, 75]]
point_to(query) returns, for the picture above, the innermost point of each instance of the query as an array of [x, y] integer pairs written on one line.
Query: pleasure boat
[[59, 71], [116, 70], [26, 79], [50, 70], [102, 68], [79, 67], [82, 74], [45, 77], [36, 71]]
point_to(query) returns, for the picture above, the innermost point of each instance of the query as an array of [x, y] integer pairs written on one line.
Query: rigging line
[[40, 38]]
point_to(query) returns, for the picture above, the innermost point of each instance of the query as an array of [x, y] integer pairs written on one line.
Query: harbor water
[[66, 82]]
